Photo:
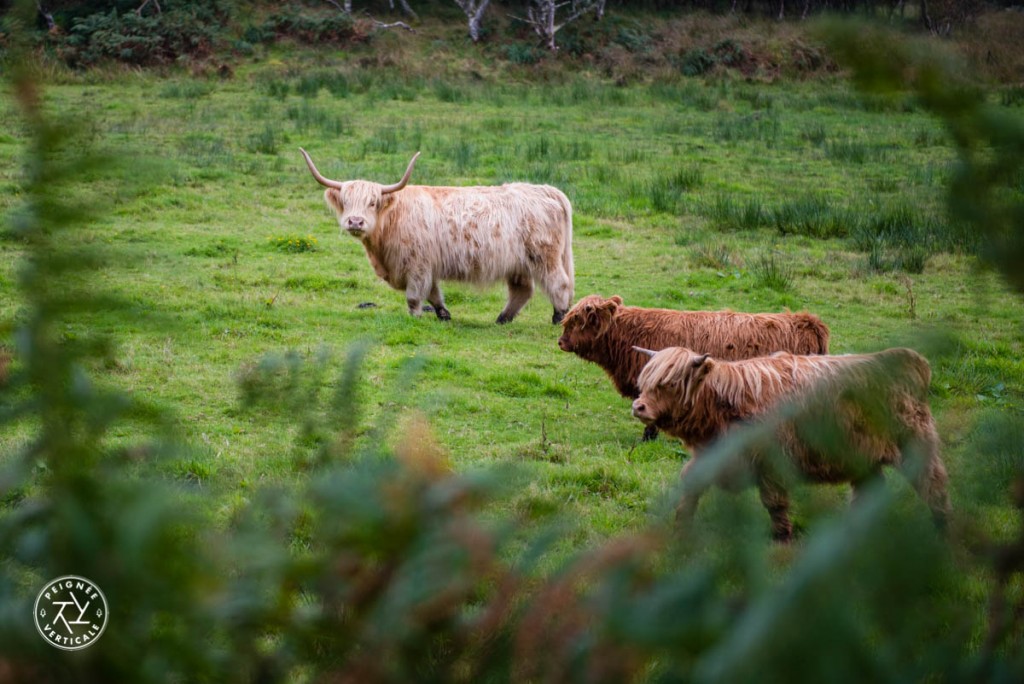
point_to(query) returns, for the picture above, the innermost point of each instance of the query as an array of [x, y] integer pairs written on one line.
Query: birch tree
[[474, 10], [543, 16]]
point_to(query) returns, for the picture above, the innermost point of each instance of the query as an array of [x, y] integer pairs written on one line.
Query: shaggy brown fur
[[416, 236], [855, 414], [604, 332]]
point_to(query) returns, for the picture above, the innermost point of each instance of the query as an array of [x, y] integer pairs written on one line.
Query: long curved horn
[[316, 174], [385, 189], [645, 351]]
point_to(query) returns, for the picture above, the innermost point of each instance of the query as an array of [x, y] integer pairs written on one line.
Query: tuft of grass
[[884, 184], [731, 214], [771, 272], [187, 90], [814, 133], [1012, 96], [911, 259], [761, 126], [307, 117], [713, 254], [666, 193], [814, 216], [538, 149], [293, 244], [275, 87], [447, 92], [265, 141], [463, 155], [851, 151]]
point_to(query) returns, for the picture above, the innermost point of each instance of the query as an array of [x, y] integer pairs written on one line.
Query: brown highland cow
[[853, 415], [604, 331]]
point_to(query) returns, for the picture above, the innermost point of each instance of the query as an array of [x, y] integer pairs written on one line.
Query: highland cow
[[848, 416], [415, 236], [604, 331]]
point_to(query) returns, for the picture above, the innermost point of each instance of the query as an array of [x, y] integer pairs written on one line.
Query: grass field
[[687, 194]]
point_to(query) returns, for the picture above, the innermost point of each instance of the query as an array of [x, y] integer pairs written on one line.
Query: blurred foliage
[[384, 565]]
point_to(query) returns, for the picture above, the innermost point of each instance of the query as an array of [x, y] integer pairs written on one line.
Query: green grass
[[233, 255]]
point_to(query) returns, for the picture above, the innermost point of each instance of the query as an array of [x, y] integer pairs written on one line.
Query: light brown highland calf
[[854, 415], [415, 236], [604, 331]]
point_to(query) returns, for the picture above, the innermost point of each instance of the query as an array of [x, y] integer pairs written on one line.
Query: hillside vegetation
[[214, 409]]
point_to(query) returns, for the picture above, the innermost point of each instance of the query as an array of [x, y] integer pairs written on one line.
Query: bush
[[313, 28], [140, 40], [697, 62], [523, 53]]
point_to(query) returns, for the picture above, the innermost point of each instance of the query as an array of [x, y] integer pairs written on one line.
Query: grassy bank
[[688, 194]]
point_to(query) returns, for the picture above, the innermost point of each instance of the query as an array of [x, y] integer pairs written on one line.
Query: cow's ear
[[385, 201], [611, 305], [333, 198], [701, 366]]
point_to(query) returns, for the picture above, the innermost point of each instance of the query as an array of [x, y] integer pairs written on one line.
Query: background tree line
[[154, 31]]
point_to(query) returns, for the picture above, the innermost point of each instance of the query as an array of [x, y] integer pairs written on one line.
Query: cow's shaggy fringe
[[604, 331], [854, 414]]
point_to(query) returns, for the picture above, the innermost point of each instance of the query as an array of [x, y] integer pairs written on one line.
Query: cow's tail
[[567, 262]]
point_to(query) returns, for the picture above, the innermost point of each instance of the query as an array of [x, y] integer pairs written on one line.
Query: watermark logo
[[71, 612]]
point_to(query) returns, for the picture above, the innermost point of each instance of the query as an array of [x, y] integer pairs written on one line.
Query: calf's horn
[[385, 189], [645, 351], [316, 174]]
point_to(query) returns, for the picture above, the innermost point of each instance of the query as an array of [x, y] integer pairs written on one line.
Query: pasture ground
[[687, 193]]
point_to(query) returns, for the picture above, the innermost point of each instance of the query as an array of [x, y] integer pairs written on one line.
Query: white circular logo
[[71, 612]]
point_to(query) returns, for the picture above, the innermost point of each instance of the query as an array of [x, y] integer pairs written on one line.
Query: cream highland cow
[[416, 236]]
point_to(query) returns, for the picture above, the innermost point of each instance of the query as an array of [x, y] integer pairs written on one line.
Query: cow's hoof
[[443, 314], [428, 308], [650, 433], [557, 317], [503, 319]]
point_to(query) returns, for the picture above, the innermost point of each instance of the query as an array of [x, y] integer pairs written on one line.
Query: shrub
[[697, 62], [730, 53], [311, 27], [633, 39], [141, 40], [523, 54]]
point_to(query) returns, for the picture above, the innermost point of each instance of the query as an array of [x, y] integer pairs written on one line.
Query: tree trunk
[[550, 28]]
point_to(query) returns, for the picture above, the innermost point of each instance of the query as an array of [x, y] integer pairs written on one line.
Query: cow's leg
[[863, 483], [687, 506], [416, 290], [436, 300], [557, 285], [520, 289], [929, 478], [775, 498], [650, 433]]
